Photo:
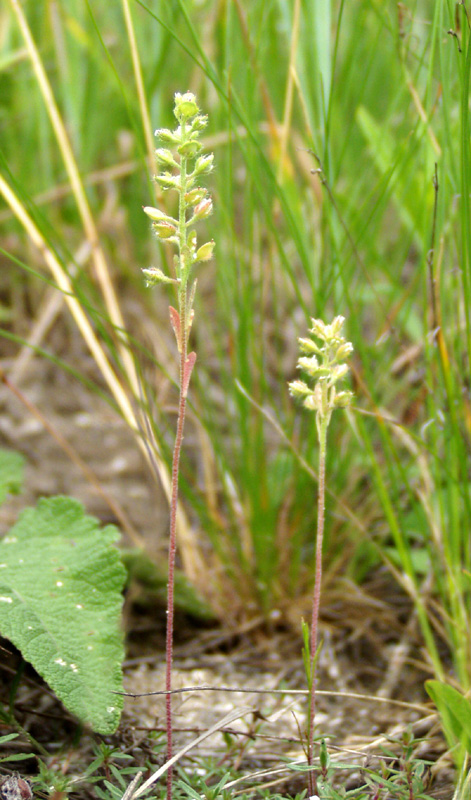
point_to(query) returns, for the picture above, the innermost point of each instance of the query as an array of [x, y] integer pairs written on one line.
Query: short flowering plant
[[323, 363]]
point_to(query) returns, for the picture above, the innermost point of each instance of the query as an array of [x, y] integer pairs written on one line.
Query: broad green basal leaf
[[61, 580]]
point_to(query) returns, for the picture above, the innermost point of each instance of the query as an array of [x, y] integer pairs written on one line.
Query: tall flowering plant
[[182, 166]]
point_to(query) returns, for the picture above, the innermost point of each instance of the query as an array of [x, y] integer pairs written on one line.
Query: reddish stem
[[173, 539], [316, 601]]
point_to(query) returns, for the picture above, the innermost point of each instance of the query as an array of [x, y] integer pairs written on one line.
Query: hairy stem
[[182, 342], [322, 429], [171, 561]]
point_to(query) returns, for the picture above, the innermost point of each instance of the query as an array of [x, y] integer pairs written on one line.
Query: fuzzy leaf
[[176, 325], [60, 604], [189, 364], [11, 473]]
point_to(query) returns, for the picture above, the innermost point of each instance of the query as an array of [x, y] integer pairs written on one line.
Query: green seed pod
[[203, 209], [154, 275], [204, 165], [185, 106], [164, 229], [205, 252], [167, 136], [199, 122], [168, 181], [190, 148], [156, 215], [195, 196], [165, 158]]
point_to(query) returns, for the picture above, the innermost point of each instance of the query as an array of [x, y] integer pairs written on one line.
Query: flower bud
[[318, 328], [337, 325], [299, 389], [314, 369], [338, 372], [343, 399], [308, 363], [308, 346], [344, 350], [311, 402]]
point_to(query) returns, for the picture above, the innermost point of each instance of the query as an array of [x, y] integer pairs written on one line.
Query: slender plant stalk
[[180, 175], [183, 347], [316, 600], [322, 364], [171, 567]]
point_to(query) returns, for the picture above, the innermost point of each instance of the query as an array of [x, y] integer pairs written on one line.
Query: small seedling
[[182, 166], [323, 363]]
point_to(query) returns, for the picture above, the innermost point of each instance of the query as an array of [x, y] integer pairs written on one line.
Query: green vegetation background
[[374, 97]]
